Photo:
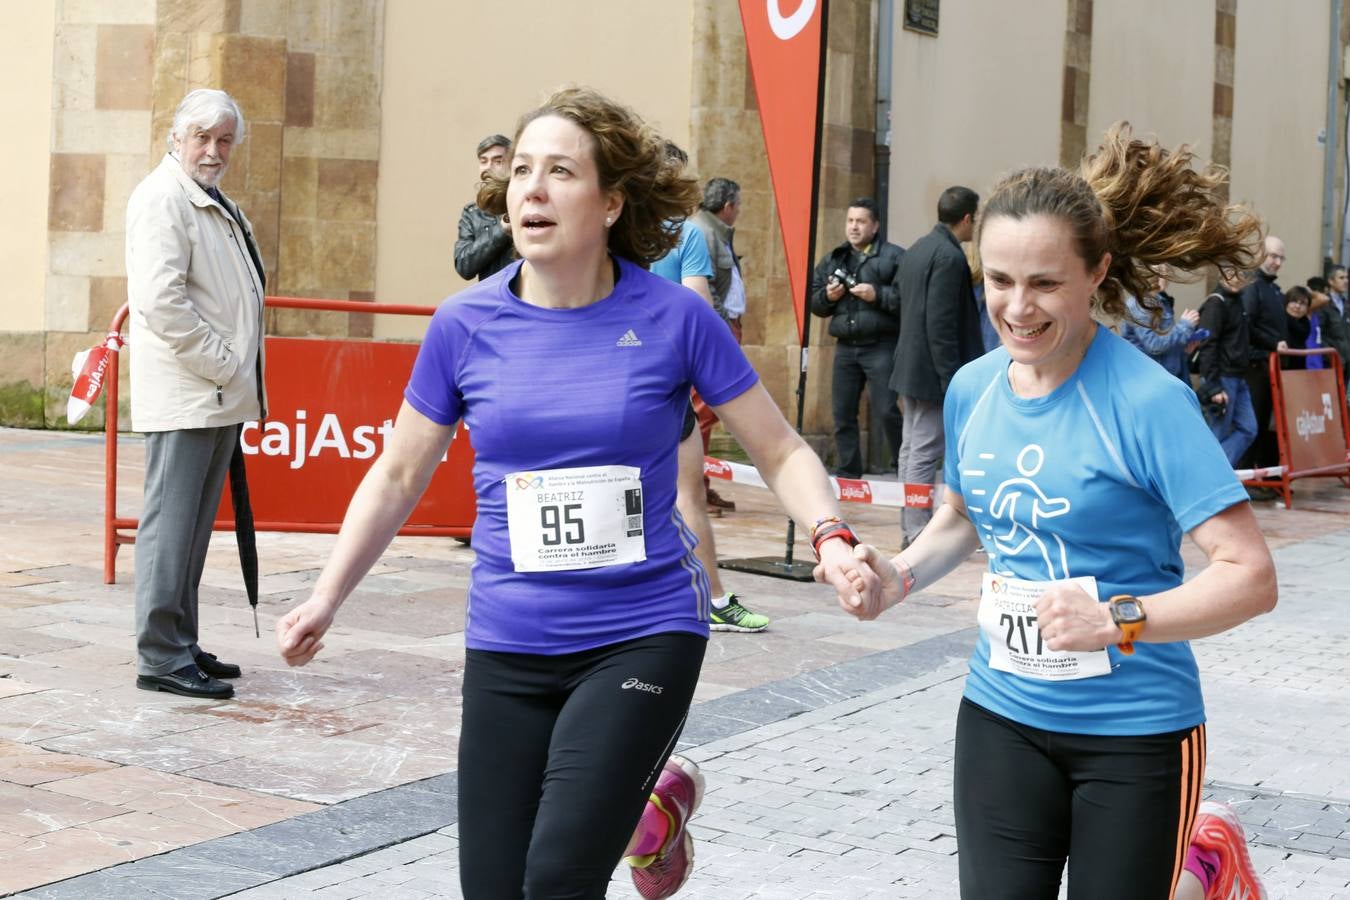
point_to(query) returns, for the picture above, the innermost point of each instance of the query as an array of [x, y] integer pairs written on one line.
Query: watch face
[[1128, 611]]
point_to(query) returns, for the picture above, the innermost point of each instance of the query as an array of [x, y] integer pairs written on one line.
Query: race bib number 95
[[581, 518]]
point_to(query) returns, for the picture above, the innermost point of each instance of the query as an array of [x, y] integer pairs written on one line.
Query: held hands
[[865, 580], [1069, 618], [300, 631]]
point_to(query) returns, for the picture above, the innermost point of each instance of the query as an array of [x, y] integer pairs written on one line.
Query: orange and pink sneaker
[[1218, 830], [678, 792]]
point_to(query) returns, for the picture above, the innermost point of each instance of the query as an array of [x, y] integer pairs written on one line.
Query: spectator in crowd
[[716, 219], [988, 333], [1170, 344], [1264, 302], [690, 265], [1333, 328], [1337, 319], [484, 245], [939, 333], [1299, 325], [1222, 361], [195, 287], [854, 287]]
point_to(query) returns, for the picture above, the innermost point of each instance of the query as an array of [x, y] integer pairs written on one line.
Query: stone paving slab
[[872, 820]]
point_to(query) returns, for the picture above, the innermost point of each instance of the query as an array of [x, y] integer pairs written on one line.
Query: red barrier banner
[[854, 490], [331, 407], [785, 52], [1313, 412], [1310, 423]]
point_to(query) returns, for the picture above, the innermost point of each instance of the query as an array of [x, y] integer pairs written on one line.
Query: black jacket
[[1336, 329], [483, 247], [939, 321], [1264, 302], [1228, 349], [853, 320]]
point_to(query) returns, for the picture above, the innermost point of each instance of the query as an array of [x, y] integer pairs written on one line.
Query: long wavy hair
[[631, 158], [1144, 204]]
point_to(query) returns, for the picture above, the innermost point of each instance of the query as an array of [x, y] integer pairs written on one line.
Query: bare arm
[[1238, 584], [380, 506], [699, 285], [795, 474], [945, 541]]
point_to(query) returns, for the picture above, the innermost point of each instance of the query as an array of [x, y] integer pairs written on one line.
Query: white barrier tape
[[849, 490], [1253, 474]]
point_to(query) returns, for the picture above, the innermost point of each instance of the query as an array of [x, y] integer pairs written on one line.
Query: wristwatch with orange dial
[[1128, 614]]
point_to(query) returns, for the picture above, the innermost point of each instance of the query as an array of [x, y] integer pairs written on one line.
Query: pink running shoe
[[678, 792], [1218, 830]]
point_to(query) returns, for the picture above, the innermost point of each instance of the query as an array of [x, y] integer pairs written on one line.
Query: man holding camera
[[854, 287]]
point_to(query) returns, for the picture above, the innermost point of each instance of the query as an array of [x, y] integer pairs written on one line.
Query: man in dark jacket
[[854, 287], [939, 333], [1223, 361], [484, 245], [1264, 302], [1335, 316]]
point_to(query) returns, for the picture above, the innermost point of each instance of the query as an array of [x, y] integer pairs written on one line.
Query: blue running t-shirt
[[690, 256], [602, 385], [1100, 477]]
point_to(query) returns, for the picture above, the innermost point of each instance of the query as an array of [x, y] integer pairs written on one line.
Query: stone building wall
[[727, 141], [306, 74]]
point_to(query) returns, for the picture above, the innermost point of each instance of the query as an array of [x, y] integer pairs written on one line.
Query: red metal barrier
[[330, 405], [1310, 423]]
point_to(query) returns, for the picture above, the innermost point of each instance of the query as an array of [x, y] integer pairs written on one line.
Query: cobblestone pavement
[[826, 744]]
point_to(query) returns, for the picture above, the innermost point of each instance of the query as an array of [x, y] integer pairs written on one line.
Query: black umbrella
[[244, 534]]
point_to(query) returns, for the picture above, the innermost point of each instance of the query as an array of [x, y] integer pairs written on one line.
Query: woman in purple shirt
[[588, 612]]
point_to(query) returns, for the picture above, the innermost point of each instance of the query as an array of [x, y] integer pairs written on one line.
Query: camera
[[1206, 393], [847, 279]]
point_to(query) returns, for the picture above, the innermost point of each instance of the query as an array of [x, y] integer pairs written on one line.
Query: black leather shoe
[[188, 681], [208, 663]]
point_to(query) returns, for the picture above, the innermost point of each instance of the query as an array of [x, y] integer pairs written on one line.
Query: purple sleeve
[[432, 389], [717, 365]]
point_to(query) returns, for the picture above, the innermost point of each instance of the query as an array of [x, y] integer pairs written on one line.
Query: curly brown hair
[[630, 158], [1144, 204]]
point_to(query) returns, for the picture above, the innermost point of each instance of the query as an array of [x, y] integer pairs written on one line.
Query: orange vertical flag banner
[[785, 43]]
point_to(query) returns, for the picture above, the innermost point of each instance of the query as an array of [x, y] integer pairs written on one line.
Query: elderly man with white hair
[[195, 285]]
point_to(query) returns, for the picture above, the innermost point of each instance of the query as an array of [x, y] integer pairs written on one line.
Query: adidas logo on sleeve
[[629, 339]]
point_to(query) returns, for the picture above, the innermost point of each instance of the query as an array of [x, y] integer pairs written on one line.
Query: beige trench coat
[[196, 301]]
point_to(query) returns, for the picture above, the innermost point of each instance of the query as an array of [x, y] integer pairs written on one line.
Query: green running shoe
[[734, 617]]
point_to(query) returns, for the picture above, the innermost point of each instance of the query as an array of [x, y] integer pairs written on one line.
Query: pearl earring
[[608, 222]]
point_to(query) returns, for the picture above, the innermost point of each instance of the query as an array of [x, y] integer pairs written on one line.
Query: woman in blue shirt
[[1078, 464]]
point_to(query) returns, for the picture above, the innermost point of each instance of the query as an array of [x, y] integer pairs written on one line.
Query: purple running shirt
[[603, 385]]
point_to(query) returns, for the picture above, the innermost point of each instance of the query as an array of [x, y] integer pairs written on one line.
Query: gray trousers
[[184, 474], [920, 453]]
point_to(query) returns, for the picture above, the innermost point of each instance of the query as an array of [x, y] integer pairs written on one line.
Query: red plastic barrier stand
[[1310, 422], [331, 407]]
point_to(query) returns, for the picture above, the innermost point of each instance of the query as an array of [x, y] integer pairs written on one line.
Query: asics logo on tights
[[635, 684]]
